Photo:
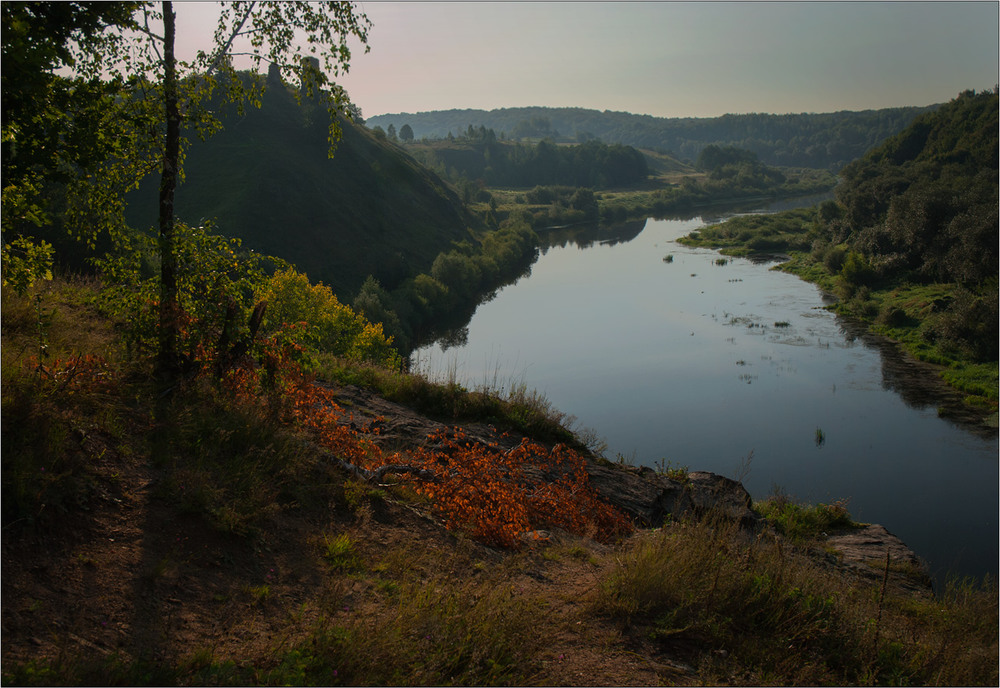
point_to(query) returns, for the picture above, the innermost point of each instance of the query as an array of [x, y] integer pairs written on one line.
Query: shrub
[[856, 270], [328, 325]]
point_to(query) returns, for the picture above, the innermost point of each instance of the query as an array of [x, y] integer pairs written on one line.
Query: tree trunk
[[169, 309]]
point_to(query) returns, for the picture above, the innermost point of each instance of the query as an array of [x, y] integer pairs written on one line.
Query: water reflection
[[586, 235]]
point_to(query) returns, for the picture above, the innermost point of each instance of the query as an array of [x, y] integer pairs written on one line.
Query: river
[[700, 361]]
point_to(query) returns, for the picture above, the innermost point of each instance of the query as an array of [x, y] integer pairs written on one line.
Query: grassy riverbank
[[199, 538], [929, 320]]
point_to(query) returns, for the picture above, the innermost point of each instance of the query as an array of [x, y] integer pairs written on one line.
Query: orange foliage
[[493, 494], [497, 495], [76, 373]]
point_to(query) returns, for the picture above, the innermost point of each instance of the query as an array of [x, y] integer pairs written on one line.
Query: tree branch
[[224, 49], [156, 37], [379, 473]]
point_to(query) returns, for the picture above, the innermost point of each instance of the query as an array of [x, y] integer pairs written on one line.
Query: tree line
[[816, 140], [480, 155]]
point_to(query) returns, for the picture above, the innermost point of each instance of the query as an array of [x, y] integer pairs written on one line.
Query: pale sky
[[668, 59]]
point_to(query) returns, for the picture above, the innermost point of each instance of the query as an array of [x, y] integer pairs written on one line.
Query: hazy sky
[[669, 59]]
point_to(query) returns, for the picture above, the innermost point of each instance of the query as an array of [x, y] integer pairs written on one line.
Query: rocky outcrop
[[652, 498], [870, 550], [648, 497]]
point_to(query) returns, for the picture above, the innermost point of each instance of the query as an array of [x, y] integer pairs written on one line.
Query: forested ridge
[[924, 204], [821, 141], [591, 164]]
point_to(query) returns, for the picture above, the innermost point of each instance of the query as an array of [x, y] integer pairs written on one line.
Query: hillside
[[212, 536], [923, 205], [820, 141], [267, 179]]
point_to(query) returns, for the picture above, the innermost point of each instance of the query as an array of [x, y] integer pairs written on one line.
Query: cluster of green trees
[[479, 155], [925, 203], [820, 141], [738, 166], [450, 291]]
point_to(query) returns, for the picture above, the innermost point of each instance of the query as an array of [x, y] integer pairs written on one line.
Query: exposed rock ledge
[[651, 498]]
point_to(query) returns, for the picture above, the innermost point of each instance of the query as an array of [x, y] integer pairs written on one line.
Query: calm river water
[[701, 364]]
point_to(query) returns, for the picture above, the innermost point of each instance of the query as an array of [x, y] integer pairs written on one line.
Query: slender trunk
[[169, 309]]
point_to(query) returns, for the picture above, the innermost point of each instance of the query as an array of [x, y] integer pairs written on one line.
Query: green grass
[[339, 552], [801, 522]]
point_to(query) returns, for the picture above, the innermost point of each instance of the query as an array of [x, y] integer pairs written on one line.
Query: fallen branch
[[379, 473]]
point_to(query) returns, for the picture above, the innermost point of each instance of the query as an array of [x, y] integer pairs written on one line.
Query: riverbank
[[920, 319], [366, 586]]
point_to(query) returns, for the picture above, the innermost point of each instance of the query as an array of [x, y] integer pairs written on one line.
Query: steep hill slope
[[267, 179], [822, 141]]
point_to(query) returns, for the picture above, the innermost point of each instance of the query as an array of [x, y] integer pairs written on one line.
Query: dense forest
[[924, 204], [821, 141]]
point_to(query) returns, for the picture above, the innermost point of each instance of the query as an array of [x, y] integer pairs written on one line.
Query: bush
[[328, 325], [970, 324], [834, 257], [856, 270]]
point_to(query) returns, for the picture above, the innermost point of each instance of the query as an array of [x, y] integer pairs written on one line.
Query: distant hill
[[267, 179], [821, 141]]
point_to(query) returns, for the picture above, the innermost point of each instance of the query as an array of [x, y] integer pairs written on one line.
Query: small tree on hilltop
[[406, 133]]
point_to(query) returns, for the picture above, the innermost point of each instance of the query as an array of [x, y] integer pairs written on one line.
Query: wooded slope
[[267, 179]]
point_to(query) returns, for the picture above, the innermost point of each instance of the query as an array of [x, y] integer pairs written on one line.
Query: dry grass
[[754, 610]]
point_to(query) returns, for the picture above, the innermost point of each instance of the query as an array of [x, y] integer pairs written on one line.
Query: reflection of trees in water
[[452, 329], [454, 338], [918, 383], [586, 235]]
